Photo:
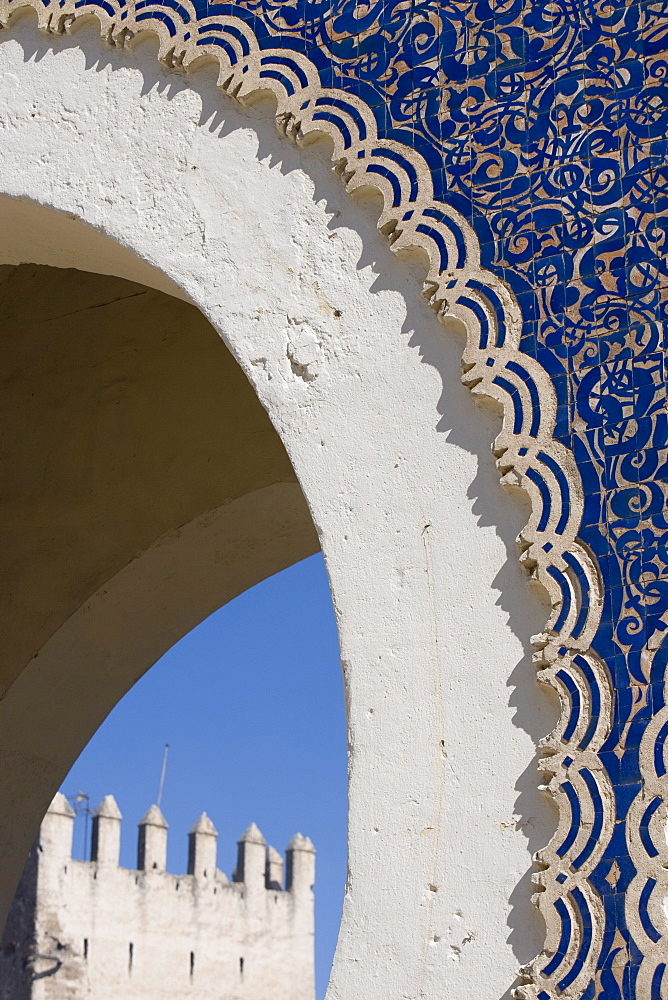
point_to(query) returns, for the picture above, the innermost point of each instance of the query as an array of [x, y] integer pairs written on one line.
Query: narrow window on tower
[[131, 955], [86, 948], [192, 964], [241, 966]]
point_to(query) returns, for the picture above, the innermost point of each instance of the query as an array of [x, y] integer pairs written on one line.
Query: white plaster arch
[[363, 387]]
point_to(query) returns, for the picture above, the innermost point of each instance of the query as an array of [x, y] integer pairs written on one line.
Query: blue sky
[[251, 704]]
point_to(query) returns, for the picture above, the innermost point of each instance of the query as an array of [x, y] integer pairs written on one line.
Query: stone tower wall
[[93, 929]]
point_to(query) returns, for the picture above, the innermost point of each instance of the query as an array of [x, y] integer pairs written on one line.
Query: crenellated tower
[[96, 930]]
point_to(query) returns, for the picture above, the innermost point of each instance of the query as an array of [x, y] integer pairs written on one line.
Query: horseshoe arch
[[461, 293]]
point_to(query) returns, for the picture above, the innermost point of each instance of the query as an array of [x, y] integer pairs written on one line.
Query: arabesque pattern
[[523, 146]]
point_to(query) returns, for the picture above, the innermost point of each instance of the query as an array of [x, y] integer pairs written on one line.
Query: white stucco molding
[[527, 455]]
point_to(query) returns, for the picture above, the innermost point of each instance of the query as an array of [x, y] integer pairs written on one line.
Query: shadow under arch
[[292, 368], [148, 488]]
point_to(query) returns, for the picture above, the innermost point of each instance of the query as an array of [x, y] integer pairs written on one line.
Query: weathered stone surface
[[81, 929]]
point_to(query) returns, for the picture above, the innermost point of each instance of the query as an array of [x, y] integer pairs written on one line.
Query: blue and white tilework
[[545, 126]]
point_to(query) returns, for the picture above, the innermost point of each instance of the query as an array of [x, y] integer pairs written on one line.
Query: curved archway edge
[[457, 289]]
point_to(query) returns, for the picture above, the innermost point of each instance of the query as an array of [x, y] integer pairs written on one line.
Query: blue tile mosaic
[[546, 126]]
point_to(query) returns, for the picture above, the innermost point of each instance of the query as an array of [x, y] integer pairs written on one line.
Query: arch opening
[[147, 488], [252, 706]]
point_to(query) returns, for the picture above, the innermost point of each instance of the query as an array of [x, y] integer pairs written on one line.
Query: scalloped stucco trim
[[527, 455]]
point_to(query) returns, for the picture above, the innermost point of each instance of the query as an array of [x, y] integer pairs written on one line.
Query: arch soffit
[[457, 287]]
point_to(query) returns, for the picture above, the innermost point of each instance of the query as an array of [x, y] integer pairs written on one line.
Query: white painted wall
[[107, 932], [363, 385]]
